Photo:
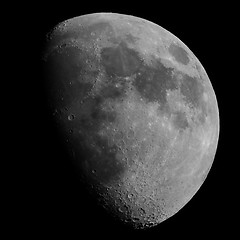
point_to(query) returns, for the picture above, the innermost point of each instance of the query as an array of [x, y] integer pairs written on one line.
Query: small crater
[[120, 210], [71, 117], [130, 196], [130, 134]]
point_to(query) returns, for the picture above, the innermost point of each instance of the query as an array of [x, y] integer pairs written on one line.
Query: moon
[[136, 111]]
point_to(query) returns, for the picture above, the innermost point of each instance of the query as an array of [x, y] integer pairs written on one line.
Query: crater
[[179, 54]]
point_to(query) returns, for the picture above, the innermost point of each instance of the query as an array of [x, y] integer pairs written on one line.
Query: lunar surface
[[136, 110]]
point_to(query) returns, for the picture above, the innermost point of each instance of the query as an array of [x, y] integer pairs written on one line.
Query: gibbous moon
[[136, 111]]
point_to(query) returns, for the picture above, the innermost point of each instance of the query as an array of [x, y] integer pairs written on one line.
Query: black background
[[55, 201]]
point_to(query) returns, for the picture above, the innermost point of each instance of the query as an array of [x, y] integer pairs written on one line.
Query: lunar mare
[[138, 112]]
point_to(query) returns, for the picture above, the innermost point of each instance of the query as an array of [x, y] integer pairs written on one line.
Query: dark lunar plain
[[60, 204]]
